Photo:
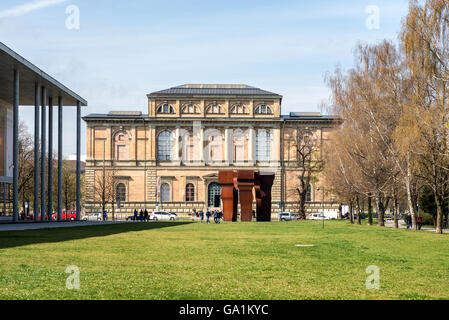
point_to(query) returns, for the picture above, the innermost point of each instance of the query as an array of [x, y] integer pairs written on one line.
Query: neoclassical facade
[[170, 158]]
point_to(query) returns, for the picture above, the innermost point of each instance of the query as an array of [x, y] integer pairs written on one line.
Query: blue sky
[[127, 49]]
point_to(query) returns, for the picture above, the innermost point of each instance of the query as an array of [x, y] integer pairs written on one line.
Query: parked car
[[318, 216], [163, 216], [288, 216], [31, 217], [93, 217], [65, 216]]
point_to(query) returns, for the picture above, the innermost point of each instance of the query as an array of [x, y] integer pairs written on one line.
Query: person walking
[[216, 216], [145, 215], [105, 215], [202, 216], [208, 216], [135, 214], [419, 222], [409, 221]]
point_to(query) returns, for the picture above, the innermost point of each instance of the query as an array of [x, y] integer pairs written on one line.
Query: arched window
[[263, 146], [165, 109], [239, 109], [120, 191], [121, 146], [190, 192], [214, 195], [263, 109], [309, 194], [165, 192], [165, 146], [190, 109], [214, 109]]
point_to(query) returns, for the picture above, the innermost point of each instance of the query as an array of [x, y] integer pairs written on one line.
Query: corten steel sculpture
[[263, 186], [245, 182], [239, 185], [228, 195]]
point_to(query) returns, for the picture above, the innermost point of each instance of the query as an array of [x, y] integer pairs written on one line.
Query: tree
[[306, 146], [425, 41], [104, 188]]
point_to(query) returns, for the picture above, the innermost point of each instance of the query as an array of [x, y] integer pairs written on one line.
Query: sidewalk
[[53, 225], [402, 225]]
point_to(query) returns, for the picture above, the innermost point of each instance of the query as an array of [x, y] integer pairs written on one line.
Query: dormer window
[[239, 109], [263, 109], [165, 109], [214, 109], [190, 109]]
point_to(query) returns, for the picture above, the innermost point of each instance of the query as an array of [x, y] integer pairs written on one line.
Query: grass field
[[227, 261]]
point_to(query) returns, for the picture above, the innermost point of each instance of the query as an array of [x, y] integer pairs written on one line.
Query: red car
[[66, 215]]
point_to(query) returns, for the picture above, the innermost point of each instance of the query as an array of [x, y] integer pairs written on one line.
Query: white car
[[318, 216], [163, 216], [93, 217]]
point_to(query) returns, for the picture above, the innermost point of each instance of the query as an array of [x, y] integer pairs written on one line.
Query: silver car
[[163, 216], [93, 217], [288, 216]]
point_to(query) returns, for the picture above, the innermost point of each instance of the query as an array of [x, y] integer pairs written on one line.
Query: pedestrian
[[202, 216], [135, 214], [216, 216], [145, 215], [208, 214], [105, 215], [409, 220], [141, 215], [419, 221]]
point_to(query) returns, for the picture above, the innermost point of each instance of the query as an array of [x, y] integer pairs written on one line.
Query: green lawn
[[227, 261]]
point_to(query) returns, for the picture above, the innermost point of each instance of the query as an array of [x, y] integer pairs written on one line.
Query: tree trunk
[[408, 184], [396, 208], [351, 212], [359, 220], [440, 210], [370, 211], [380, 211], [340, 213]]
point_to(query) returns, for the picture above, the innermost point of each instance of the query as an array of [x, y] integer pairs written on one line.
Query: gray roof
[[216, 90], [29, 74]]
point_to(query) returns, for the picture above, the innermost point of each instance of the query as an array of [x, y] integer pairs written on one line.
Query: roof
[[215, 90], [29, 74]]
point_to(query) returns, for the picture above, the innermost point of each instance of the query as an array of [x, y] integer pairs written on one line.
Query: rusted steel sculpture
[[238, 186], [228, 195], [245, 182], [264, 184]]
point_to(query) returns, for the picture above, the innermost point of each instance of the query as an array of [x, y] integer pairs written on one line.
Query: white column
[[228, 146], [275, 137], [177, 146], [198, 138], [252, 146]]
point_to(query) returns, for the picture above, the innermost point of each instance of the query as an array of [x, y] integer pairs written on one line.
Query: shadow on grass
[[11, 239]]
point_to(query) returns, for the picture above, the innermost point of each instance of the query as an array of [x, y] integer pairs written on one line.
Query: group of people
[[142, 216], [409, 221], [218, 215]]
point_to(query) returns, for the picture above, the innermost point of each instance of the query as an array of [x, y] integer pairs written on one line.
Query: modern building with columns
[[169, 159], [25, 85]]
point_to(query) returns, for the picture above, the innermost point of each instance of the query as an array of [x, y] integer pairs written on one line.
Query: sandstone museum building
[[169, 159]]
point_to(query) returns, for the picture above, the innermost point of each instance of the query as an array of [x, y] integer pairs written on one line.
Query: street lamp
[[318, 189]]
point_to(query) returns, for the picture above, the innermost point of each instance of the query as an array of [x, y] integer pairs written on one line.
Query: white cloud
[[28, 7]]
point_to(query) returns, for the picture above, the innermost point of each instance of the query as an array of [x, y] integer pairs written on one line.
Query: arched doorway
[[214, 195]]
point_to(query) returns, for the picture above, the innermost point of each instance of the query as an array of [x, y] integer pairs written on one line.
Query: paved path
[[402, 225], [52, 225]]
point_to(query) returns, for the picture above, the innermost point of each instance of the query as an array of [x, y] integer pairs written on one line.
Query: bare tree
[[307, 146]]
